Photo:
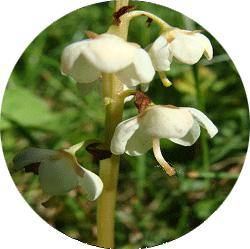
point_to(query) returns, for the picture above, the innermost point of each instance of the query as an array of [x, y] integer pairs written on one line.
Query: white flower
[[138, 134], [186, 46], [85, 60], [59, 171]]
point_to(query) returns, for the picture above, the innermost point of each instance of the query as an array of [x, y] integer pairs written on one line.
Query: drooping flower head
[[138, 134], [86, 60], [186, 46], [58, 171]]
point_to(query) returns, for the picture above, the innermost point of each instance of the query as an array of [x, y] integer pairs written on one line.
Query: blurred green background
[[42, 108]]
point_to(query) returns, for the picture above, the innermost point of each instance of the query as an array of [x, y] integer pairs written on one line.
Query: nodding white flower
[[186, 46], [58, 171], [85, 60], [138, 134]]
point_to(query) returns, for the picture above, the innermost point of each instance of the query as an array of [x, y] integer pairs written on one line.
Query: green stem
[[109, 168], [112, 88], [109, 171], [201, 106]]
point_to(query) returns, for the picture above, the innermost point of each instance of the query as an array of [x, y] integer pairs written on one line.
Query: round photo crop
[[124, 124]]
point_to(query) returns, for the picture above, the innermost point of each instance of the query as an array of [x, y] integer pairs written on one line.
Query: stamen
[[165, 81], [160, 159]]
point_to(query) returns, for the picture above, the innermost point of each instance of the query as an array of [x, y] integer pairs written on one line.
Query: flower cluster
[[86, 60], [89, 60], [106, 53]]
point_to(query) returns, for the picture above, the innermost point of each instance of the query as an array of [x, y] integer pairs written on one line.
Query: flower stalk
[[109, 168], [109, 172], [162, 24]]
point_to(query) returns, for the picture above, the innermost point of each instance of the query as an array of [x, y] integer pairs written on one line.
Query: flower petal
[[139, 143], [70, 55], [158, 44], [57, 175], [160, 54], [140, 71], [166, 122], [123, 132], [203, 120], [91, 183], [186, 47], [83, 71], [30, 156], [190, 137], [75, 64], [208, 49], [109, 53], [74, 148]]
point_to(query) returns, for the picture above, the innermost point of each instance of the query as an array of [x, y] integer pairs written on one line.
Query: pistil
[[159, 157]]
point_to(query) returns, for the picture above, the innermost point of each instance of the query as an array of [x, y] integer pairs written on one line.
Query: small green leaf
[[28, 110]]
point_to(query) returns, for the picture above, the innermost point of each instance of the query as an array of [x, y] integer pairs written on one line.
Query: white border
[[21, 21]]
